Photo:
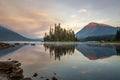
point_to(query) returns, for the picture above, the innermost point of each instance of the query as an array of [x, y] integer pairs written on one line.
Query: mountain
[[9, 35], [96, 32]]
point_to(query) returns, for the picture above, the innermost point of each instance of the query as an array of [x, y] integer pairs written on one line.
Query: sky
[[32, 18]]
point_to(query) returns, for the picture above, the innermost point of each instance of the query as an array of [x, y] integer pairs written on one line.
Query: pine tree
[[60, 34], [117, 37]]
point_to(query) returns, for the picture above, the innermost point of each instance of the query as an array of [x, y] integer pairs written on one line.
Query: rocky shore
[[11, 70], [5, 46]]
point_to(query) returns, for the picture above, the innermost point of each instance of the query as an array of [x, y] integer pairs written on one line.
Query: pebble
[[35, 75], [47, 79]]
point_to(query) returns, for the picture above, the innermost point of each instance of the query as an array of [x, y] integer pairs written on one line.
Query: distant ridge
[[96, 32], [9, 35], [93, 24]]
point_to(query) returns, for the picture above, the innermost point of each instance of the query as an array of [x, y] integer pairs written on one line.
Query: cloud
[[73, 16], [81, 20], [28, 24], [103, 20], [116, 24], [76, 18], [83, 10]]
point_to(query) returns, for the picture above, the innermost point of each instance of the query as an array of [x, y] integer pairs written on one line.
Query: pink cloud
[[28, 24], [83, 10]]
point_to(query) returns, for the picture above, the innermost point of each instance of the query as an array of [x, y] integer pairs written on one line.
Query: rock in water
[[54, 73], [35, 75], [12, 71], [7, 65], [18, 73], [27, 79], [4, 46], [54, 78]]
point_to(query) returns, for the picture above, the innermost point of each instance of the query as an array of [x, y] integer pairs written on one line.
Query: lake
[[67, 61]]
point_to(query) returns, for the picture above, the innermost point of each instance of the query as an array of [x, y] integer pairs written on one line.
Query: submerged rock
[[41, 77], [47, 79], [27, 79], [54, 78], [26, 43], [9, 58], [35, 75], [5, 46], [17, 43], [32, 44], [54, 73]]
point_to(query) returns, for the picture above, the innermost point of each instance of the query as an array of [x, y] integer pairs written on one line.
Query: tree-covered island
[[60, 34]]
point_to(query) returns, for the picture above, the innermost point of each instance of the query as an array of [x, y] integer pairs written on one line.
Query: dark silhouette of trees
[[117, 37], [118, 50], [60, 34]]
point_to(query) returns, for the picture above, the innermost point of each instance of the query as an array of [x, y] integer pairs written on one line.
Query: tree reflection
[[118, 49], [60, 50]]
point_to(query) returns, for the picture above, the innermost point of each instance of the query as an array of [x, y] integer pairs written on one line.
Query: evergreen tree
[[117, 37], [60, 34]]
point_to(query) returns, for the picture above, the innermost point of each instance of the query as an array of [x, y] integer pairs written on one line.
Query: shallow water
[[69, 61]]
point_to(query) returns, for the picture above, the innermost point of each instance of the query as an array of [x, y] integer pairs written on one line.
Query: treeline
[[99, 38], [60, 34], [117, 37]]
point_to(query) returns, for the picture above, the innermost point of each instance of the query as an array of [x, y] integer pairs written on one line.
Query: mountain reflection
[[9, 50], [60, 50], [94, 52]]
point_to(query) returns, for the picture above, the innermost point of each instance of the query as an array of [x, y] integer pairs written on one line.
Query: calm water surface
[[68, 61]]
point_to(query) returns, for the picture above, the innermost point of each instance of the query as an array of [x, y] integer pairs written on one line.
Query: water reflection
[[60, 50], [90, 51], [9, 50], [118, 49], [94, 52], [34, 59]]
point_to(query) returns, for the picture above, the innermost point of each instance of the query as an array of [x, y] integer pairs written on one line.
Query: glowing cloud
[[83, 11]]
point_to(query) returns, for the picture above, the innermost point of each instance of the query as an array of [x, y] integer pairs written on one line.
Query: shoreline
[[11, 70], [11, 43]]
